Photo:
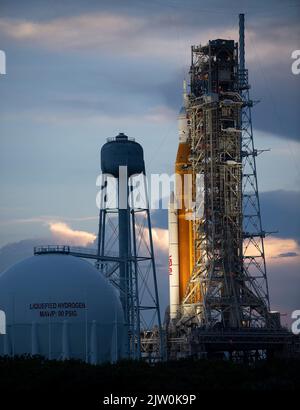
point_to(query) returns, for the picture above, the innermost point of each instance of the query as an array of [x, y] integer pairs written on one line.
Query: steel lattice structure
[[254, 263], [138, 288], [125, 252], [228, 286]]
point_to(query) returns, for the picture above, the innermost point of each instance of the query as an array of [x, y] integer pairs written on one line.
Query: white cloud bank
[[64, 233]]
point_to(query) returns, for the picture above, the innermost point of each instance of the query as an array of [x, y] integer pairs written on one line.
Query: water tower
[[125, 231]]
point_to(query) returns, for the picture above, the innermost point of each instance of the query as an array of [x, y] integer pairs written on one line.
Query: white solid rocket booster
[[182, 118], [173, 258]]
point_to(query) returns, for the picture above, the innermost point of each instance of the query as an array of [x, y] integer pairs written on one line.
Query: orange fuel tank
[[185, 251]]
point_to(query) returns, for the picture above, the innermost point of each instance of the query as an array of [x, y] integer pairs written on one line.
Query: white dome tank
[[60, 307]]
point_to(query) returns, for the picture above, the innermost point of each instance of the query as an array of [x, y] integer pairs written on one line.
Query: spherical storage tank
[[60, 307]]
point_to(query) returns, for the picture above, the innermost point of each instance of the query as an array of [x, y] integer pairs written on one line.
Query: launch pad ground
[[246, 344]]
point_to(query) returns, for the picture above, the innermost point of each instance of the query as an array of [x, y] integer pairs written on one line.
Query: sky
[[78, 72]]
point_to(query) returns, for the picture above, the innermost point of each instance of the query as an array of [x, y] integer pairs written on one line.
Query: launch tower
[[218, 280]]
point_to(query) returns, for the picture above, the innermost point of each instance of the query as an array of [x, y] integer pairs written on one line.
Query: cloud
[[158, 114], [99, 31], [17, 251], [282, 257], [62, 232], [103, 30], [284, 278], [288, 255], [282, 250], [278, 252], [162, 35], [161, 239], [280, 212], [148, 45], [45, 219]]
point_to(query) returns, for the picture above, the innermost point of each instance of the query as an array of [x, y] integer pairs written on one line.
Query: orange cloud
[[63, 233], [278, 250]]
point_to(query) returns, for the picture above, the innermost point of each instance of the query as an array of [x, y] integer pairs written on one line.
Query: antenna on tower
[[242, 41]]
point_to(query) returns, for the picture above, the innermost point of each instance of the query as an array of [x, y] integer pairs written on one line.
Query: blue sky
[[81, 71]]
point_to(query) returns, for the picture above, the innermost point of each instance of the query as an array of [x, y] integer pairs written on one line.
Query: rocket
[[180, 225]]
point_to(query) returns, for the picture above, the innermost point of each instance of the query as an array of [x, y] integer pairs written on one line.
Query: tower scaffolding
[[228, 286], [226, 305], [254, 262]]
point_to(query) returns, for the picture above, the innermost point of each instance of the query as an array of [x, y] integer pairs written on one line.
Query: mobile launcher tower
[[219, 299]]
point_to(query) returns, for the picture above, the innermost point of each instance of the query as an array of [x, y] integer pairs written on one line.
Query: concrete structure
[[60, 307]]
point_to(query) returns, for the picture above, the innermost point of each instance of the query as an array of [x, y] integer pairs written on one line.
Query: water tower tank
[[60, 307], [122, 151]]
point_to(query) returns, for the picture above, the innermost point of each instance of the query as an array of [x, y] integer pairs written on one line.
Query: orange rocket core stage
[[185, 251]]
